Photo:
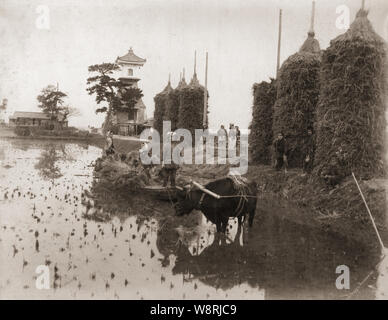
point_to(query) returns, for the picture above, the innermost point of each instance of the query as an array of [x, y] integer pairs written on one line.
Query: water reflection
[[47, 164], [103, 244], [280, 260]]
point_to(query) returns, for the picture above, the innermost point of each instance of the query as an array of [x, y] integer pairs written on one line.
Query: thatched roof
[[182, 83], [168, 88], [311, 44]]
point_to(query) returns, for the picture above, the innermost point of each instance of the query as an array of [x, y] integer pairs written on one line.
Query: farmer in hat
[[145, 150], [168, 171], [109, 148], [309, 150], [280, 150]]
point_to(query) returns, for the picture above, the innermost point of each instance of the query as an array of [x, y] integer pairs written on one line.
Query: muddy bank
[[305, 200], [308, 201]]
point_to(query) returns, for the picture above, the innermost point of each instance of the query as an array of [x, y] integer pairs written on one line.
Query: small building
[[130, 121], [35, 119]]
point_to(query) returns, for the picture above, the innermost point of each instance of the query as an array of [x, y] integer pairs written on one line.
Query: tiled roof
[[31, 115], [130, 57]]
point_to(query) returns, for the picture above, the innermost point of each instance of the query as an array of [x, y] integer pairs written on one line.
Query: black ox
[[235, 201]]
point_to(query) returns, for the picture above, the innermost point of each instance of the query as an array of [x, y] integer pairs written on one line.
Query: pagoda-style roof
[[130, 58]]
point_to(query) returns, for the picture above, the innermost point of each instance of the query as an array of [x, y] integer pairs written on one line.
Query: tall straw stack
[[351, 111], [260, 135], [160, 108], [191, 106], [297, 97]]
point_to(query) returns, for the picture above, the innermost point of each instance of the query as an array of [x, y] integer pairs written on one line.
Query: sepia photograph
[[184, 152]]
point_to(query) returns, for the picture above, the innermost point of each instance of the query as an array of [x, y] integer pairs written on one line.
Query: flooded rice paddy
[[98, 245]]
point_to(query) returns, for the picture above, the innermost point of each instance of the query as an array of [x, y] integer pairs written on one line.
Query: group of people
[[281, 152], [167, 171], [232, 138]]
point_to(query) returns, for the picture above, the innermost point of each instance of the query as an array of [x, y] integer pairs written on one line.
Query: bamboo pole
[[279, 42], [195, 62], [205, 95], [370, 214], [312, 18]]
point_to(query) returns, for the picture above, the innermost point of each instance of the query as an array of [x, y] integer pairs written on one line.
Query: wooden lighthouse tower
[[129, 74]]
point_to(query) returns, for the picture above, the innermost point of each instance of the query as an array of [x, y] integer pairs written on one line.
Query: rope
[[239, 196]]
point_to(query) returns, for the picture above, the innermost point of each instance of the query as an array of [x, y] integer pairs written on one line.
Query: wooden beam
[[202, 188]]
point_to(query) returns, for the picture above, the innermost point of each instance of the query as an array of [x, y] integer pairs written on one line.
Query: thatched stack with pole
[[167, 91], [260, 134], [191, 106], [264, 97], [351, 112], [160, 107], [172, 104], [297, 96]]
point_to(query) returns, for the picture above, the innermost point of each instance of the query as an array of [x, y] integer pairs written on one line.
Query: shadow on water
[[287, 260], [104, 244]]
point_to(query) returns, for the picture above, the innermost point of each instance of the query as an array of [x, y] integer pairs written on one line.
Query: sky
[[240, 37]]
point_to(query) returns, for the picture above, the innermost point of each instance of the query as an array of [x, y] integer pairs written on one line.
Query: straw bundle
[[297, 97], [260, 136], [160, 108], [351, 110], [191, 101], [172, 108], [159, 100]]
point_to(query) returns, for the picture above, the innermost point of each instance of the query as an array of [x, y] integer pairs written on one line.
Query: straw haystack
[[191, 102], [172, 104], [297, 97], [260, 136], [160, 107], [351, 111]]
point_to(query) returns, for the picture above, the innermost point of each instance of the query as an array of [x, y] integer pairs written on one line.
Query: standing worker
[[238, 137], [169, 170], [280, 149], [309, 151]]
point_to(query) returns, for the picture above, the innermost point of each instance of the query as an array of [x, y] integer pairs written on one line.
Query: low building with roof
[[35, 119]]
